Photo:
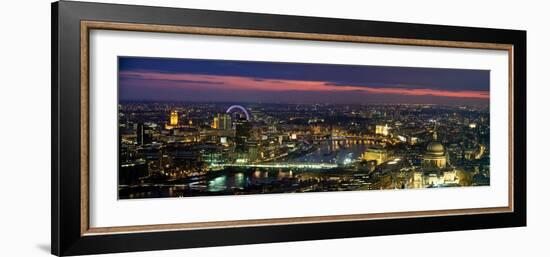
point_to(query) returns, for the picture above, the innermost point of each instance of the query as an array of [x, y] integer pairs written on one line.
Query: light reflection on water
[[255, 180], [326, 153], [241, 180], [332, 153]]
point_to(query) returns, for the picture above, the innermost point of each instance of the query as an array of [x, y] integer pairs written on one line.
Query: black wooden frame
[[66, 232]]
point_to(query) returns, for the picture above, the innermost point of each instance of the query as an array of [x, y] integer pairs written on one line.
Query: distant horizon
[[245, 102], [147, 79]]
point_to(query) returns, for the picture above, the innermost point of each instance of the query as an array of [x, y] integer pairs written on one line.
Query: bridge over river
[[280, 165]]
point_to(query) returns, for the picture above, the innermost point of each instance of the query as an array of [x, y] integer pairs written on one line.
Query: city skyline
[[195, 80], [192, 127]]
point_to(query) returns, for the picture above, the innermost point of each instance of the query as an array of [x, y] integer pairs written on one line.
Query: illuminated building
[[382, 130], [474, 153], [435, 166], [225, 121], [435, 156], [143, 134], [418, 179], [253, 151], [445, 177], [222, 121], [433, 179], [173, 120], [242, 132], [223, 140], [278, 139], [213, 156], [216, 122], [186, 134], [379, 155], [469, 153], [437, 170], [449, 176]]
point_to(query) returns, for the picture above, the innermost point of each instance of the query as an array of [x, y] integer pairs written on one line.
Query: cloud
[[223, 82]]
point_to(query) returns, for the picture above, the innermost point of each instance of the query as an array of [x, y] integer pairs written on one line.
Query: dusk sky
[[195, 80]]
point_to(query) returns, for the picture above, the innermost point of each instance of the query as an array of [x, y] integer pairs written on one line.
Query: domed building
[[436, 169], [435, 156]]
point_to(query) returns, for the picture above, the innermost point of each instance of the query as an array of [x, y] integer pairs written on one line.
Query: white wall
[[25, 127]]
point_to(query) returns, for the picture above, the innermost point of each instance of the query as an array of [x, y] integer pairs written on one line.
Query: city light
[[194, 127], [228, 150]]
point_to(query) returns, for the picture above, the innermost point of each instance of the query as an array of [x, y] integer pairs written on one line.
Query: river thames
[[260, 180]]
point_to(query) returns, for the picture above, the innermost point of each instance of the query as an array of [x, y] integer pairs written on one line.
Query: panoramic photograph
[[198, 127]]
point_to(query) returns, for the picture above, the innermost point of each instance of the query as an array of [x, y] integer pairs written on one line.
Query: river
[[264, 180]]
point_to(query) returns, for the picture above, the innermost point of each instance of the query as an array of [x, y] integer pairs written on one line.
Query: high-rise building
[[242, 133], [253, 150], [143, 134], [225, 121], [216, 122], [222, 121]]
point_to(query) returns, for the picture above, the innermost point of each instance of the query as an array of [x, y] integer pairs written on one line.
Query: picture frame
[[71, 26]]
